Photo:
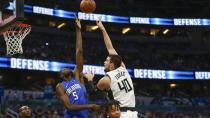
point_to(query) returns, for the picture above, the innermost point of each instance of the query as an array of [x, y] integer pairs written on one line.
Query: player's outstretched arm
[[67, 103], [107, 40], [79, 52]]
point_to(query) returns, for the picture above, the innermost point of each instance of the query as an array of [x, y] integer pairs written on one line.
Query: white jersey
[[122, 87]]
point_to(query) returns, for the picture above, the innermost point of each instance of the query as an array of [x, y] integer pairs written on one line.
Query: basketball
[[88, 6]]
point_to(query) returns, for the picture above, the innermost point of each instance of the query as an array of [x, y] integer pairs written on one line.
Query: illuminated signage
[[92, 17], [114, 19], [40, 65], [202, 75], [151, 74], [99, 70], [42, 10], [187, 22], [29, 64], [138, 20]]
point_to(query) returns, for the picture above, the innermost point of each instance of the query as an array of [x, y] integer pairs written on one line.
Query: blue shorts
[[76, 114]]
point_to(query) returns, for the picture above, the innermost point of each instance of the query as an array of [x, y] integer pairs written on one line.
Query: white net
[[14, 37]]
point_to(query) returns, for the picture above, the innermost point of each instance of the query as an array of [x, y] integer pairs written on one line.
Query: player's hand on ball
[[77, 22], [89, 76], [100, 25]]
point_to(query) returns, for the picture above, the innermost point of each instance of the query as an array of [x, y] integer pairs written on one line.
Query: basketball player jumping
[[117, 79], [71, 91]]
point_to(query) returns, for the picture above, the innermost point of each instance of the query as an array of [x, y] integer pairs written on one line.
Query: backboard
[[14, 19]]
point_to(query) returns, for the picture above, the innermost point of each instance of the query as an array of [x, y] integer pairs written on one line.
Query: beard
[[106, 70]]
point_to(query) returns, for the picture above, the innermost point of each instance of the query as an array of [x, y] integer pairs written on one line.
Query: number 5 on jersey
[[124, 84], [75, 95]]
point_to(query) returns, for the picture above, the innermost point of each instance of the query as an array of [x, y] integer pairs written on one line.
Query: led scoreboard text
[[40, 65], [114, 19], [29, 64]]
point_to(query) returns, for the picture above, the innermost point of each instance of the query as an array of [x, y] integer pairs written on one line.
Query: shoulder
[[106, 77], [105, 80], [59, 87], [115, 70], [122, 68], [104, 83]]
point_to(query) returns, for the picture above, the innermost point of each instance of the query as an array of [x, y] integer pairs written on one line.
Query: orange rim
[[21, 25]]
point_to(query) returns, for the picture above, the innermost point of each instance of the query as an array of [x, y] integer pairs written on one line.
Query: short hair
[[21, 109], [109, 104], [116, 59], [65, 72]]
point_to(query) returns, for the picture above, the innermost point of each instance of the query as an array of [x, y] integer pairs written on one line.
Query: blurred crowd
[[150, 114], [187, 91], [38, 112], [149, 105], [53, 112], [143, 97]]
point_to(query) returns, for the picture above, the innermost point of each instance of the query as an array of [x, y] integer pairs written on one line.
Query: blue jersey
[[76, 93]]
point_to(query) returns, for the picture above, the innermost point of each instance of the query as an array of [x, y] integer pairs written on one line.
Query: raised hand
[[100, 25], [89, 76], [77, 22]]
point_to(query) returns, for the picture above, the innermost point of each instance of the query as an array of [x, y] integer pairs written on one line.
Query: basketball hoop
[[14, 37]]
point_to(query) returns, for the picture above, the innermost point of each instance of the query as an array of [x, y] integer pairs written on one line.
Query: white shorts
[[129, 114]]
